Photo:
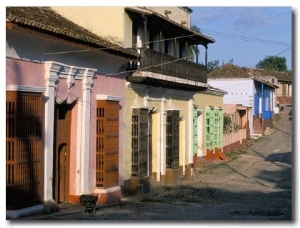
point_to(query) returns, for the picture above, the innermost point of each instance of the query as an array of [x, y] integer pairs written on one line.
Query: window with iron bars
[[140, 145], [23, 149], [172, 139]]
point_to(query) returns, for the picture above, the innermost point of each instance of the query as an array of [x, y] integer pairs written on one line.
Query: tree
[[194, 48], [212, 65], [195, 29], [272, 63]]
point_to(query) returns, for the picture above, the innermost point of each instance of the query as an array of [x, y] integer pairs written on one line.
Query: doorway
[[61, 166]]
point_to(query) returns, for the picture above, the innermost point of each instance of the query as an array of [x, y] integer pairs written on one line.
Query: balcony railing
[[161, 63]]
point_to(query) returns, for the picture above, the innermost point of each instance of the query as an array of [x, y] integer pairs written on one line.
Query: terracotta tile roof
[[46, 20], [229, 71]]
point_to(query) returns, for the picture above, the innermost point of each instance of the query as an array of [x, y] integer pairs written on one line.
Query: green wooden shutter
[[217, 128], [195, 131], [209, 125]]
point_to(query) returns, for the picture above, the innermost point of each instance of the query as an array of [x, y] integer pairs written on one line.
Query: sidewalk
[[69, 209]]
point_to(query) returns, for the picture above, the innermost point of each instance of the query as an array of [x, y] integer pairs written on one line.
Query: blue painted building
[[251, 88]]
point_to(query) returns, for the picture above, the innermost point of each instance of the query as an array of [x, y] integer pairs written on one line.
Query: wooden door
[[62, 152]]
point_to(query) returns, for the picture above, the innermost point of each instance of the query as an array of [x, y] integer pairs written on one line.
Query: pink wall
[[20, 72]]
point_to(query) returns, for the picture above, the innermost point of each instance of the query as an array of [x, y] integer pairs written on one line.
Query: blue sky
[[245, 35]]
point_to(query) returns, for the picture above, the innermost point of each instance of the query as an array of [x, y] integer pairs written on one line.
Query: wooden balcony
[[161, 63]]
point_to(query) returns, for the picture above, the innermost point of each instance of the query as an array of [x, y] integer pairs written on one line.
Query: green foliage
[[273, 63], [195, 29], [227, 124], [212, 65]]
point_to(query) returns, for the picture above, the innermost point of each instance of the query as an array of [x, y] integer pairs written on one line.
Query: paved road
[[254, 185]]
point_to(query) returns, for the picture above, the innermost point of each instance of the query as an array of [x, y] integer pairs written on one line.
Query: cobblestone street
[[254, 184]]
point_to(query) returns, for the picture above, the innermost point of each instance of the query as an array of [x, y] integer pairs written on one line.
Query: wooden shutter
[[107, 144], [23, 149]]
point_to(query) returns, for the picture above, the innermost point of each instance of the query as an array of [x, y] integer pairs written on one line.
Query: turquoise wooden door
[[195, 131]]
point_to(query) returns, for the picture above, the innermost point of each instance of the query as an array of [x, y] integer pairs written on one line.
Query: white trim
[[200, 134], [168, 78], [67, 100], [158, 144], [48, 133], [54, 71], [163, 136], [190, 130], [108, 97], [107, 190], [171, 105], [85, 136], [68, 72], [158, 99], [24, 211], [182, 140], [78, 147], [37, 89]]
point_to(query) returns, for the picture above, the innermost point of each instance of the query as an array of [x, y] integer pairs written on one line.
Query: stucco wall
[[24, 73], [105, 21], [177, 14], [38, 49], [27, 57], [147, 96], [111, 86], [203, 100], [240, 91]]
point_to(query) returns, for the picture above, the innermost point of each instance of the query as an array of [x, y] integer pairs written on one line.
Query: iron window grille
[[140, 142], [172, 139]]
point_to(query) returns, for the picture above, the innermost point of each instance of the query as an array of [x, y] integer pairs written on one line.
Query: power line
[[255, 21], [254, 64], [247, 38], [284, 50], [112, 47]]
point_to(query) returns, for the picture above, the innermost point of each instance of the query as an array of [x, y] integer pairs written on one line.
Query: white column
[[158, 146], [200, 135], [78, 146], [48, 131], [190, 131], [85, 130], [182, 140], [163, 137]]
